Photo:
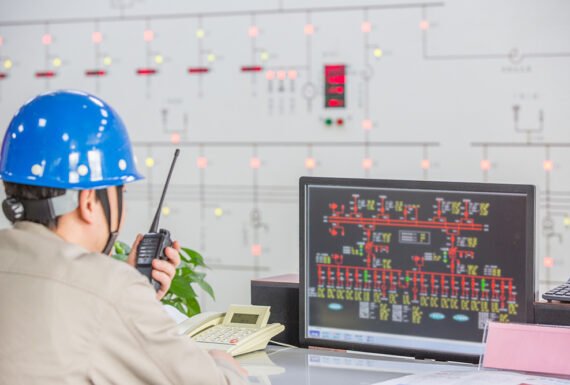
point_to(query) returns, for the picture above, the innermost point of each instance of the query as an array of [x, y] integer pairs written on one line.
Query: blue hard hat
[[67, 139]]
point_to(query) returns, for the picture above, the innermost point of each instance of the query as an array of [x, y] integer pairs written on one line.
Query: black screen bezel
[[529, 292]]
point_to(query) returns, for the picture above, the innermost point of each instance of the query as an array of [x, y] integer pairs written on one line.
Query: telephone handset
[[154, 242], [242, 329]]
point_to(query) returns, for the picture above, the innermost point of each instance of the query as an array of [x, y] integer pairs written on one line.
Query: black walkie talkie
[[153, 243]]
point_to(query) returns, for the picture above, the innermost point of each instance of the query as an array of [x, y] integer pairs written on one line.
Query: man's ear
[[88, 206]]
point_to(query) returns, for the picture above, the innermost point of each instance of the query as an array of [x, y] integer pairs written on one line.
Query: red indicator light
[[148, 35], [292, 74], [95, 73], [256, 250], [335, 103], [339, 121], [255, 162], [485, 165], [146, 71], [425, 164], [253, 31], [202, 162], [97, 37], [3, 75], [548, 165], [251, 69], [367, 124], [175, 138], [424, 25], [1, 40], [366, 27], [270, 75], [281, 75], [336, 90], [310, 163], [309, 29], [548, 262], [367, 163], [47, 39], [45, 74], [198, 70], [335, 80]]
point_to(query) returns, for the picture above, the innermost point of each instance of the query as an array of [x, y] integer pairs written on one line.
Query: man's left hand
[[163, 271]]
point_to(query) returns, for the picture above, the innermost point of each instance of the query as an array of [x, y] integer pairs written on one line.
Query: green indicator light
[[483, 284], [407, 279], [366, 275], [328, 121]]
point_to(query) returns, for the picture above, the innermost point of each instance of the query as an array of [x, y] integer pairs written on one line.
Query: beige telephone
[[242, 329]]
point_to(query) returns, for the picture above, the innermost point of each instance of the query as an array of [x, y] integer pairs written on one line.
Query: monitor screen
[[414, 268]]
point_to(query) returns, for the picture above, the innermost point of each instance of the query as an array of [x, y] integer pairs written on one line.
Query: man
[[70, 314]]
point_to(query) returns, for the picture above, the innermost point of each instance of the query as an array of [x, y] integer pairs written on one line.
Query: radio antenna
[[154, 226]]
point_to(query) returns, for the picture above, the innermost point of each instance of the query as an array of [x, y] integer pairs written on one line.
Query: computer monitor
[[413, 267]]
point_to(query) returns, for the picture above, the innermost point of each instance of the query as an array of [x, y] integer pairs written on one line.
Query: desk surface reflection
[[286, 366]]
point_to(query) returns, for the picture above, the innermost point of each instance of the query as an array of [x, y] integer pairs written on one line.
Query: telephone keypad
[[223, 334]]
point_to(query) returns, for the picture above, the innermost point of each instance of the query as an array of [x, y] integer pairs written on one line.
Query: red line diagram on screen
[[377, 273]]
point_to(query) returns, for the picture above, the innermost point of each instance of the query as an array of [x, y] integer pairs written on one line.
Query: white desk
[[292, 366]]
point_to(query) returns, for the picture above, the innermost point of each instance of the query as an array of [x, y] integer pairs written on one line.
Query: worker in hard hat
[[70, 314]]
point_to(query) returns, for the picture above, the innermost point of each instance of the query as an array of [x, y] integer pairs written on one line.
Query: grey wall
[[442, 90]]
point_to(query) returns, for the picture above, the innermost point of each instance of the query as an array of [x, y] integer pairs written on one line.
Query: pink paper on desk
[[527, 347]]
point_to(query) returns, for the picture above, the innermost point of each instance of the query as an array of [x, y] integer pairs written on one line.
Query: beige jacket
[[68, 316]]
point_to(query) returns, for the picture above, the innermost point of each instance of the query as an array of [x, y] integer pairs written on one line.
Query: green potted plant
[[181, 295]]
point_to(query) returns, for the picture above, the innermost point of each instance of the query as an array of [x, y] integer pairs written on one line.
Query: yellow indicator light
[[56, 62], [149, 162]]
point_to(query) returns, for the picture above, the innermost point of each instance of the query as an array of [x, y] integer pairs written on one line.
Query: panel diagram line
[[287, 144], [520, 144], [515, 56], [215, 14]]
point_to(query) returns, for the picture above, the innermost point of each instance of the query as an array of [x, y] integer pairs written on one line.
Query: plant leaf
[[120, 257], [207, 288], [195, 275], [195, 257], [193, 307], [180, 307], [181, 295], [122, 248], [180, 287]]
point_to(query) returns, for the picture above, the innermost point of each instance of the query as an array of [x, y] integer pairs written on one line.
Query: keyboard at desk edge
[[560, 293]]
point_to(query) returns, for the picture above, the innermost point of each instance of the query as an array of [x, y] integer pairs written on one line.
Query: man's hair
[[28, 192]]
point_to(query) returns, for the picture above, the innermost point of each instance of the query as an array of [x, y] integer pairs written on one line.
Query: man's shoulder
[[105, 275], [36, 254]]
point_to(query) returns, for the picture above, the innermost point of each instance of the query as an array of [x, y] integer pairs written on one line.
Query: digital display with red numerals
[[335, 86]]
